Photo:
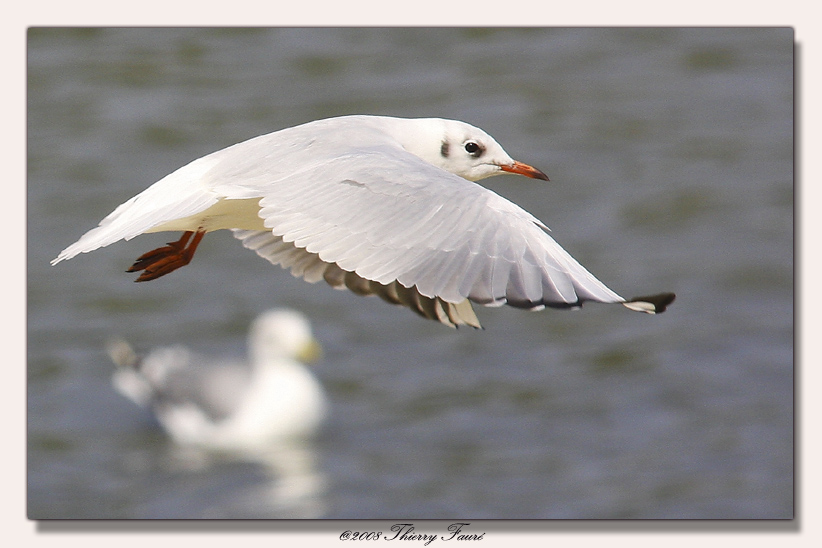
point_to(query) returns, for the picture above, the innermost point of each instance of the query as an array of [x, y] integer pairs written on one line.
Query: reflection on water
[[284, 482], [670, 158]]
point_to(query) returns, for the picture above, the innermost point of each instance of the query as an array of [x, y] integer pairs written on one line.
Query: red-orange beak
[[524, 169]]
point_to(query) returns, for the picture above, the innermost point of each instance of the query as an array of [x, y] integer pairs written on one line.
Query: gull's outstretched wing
[[382, 221]]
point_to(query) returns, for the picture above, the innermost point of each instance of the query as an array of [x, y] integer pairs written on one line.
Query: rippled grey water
[[670, 157]]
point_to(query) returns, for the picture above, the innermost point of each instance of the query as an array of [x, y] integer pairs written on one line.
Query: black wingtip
[[659, 301]]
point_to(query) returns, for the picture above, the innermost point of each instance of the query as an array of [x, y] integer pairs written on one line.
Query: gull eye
[[473, 148]]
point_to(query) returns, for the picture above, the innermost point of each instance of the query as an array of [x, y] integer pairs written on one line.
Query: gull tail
[[122, 354], [652, 304], [127, 379]]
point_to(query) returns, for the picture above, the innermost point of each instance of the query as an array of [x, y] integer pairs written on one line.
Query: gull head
[[282, 334], [461, 149]]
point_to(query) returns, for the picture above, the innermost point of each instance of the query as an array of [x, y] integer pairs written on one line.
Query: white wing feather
[[387, 215], [176, 196]]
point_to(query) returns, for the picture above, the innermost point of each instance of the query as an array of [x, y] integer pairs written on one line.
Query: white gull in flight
[[377, 205]]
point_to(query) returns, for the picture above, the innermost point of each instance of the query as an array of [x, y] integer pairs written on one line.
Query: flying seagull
[[377, 205]]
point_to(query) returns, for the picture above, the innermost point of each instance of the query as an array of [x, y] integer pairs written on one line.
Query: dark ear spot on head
[[444, 149]]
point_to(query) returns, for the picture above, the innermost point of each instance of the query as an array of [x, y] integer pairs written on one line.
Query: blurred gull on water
[[265, 410], [230, 406]]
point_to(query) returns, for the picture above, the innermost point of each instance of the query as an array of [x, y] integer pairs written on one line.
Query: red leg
[[147, 259], [159, 262]]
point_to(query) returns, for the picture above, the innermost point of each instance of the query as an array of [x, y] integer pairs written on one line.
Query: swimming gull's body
[[230, 406]]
